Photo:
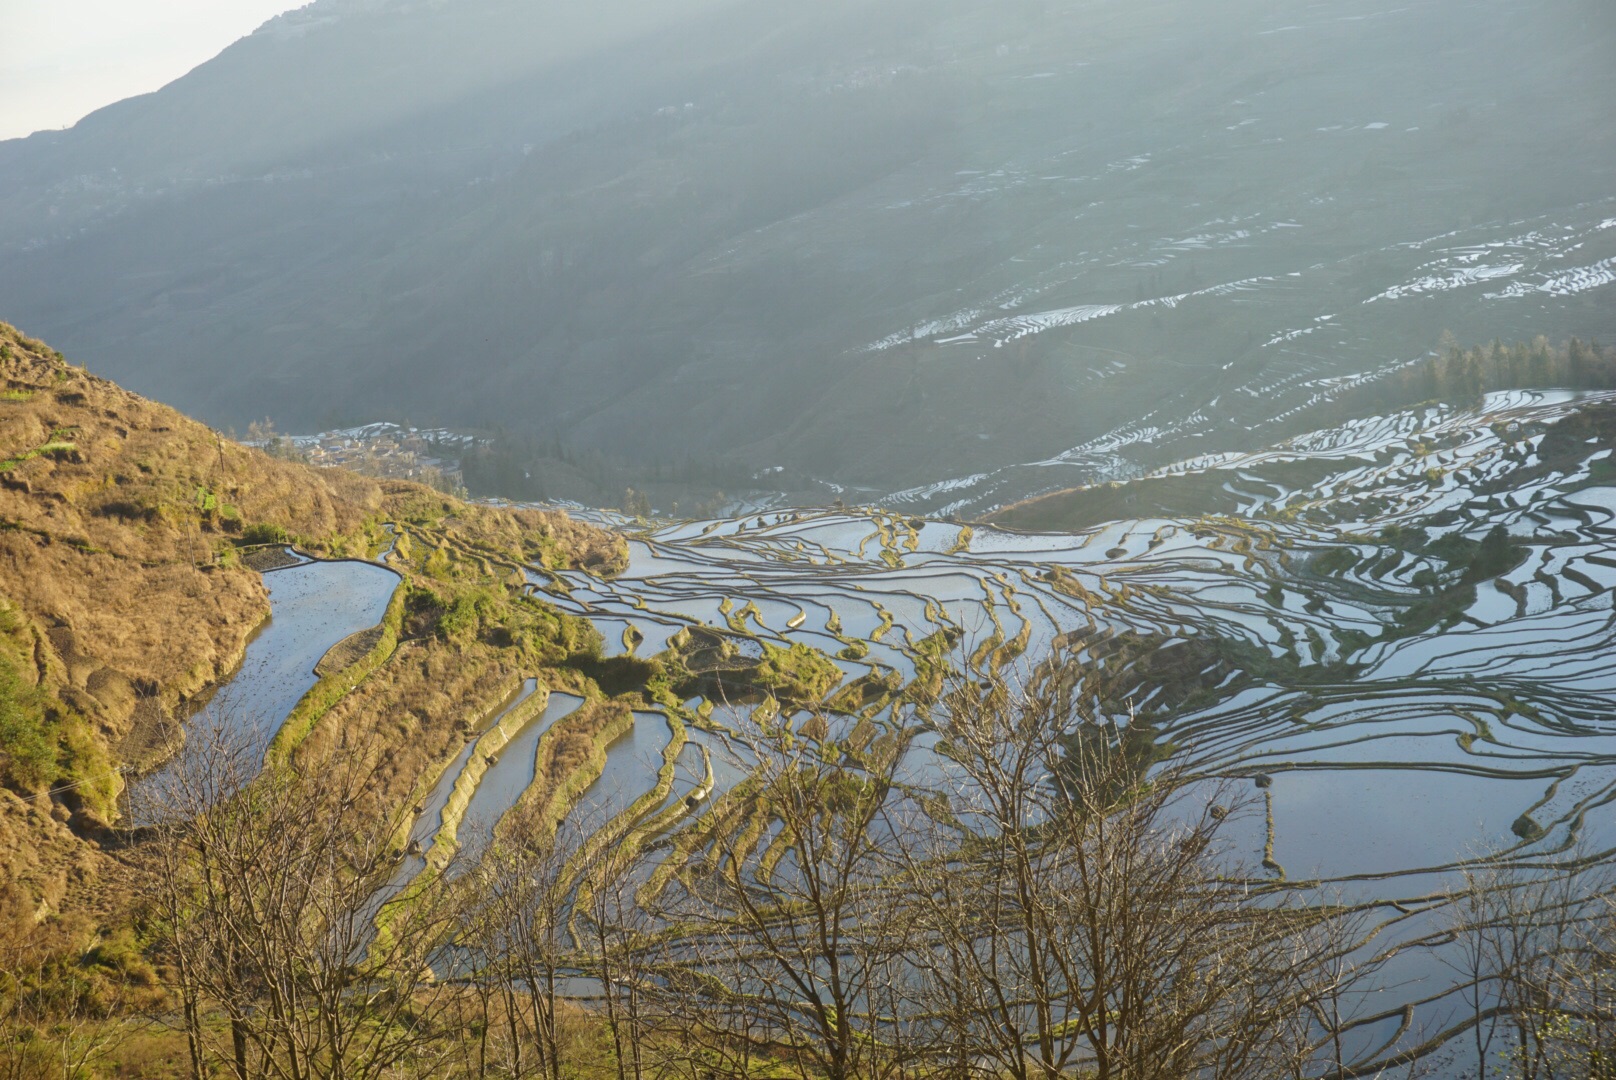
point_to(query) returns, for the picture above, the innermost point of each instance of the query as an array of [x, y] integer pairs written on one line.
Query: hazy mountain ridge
[[690, 238]]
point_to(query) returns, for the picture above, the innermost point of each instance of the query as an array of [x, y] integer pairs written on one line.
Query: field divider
[[627, 832], [489, 745], [438, 856], [324, 695]]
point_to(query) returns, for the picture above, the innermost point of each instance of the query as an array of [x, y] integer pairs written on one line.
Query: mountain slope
[[1397, 627], [885, 243]]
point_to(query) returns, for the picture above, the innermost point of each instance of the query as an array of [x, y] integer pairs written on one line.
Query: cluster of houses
[[428, 455]]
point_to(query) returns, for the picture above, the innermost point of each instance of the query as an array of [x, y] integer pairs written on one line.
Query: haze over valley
[[881, 245]]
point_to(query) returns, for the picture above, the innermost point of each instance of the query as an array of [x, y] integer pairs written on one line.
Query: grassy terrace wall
[[630, 829], [563, 796], [489, 746], [328, 691]]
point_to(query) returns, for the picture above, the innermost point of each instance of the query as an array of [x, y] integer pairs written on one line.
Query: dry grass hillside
[[126, 595]]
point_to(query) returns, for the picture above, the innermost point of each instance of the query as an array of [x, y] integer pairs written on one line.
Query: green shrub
[[264, 533], [84, 761], [1496, 555], [799, 673], [1526, 828], [27, 737], [465, 614], [119, 954], [460, 620], [437, 565], [617, 674], [1352, 640]]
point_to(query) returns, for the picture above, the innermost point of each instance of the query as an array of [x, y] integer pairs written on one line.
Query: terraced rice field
[[314, 606], [1409, 655], [1405, 719]]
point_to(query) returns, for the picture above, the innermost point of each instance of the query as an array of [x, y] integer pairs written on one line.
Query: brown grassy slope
[[116, 542], [122, 596]]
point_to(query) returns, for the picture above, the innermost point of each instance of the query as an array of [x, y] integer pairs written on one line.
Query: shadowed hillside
[[882, 243]]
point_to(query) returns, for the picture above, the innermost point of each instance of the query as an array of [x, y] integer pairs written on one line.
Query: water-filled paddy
[[1396, 744], [632, 762], [1337, 823], [512, 771], [313, 605], [1324, 640]]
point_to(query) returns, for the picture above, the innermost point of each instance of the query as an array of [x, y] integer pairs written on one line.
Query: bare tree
[[278, 907], [1338, 951], [622, 940], [793, 947], [1081, 914], [1036, 896], [56, 1020], [1473, 957], [216, 764], [1538, 942], [516, 930]]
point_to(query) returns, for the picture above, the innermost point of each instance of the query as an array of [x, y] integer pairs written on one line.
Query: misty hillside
[[888, 243]]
